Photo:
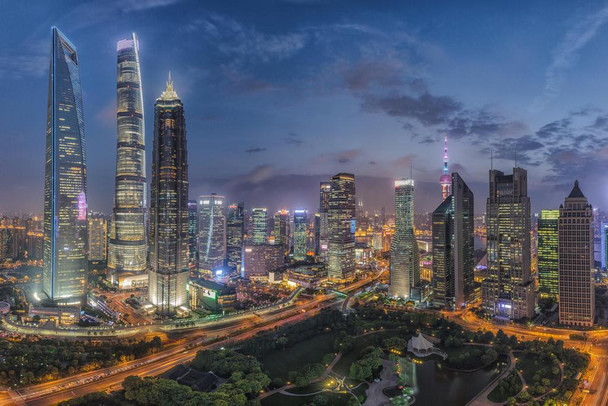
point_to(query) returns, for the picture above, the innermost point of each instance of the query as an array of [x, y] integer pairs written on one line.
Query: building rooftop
[[576, 191], [215, 286]]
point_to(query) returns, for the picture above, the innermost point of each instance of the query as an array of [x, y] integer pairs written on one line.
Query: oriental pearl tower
[[445, 180]]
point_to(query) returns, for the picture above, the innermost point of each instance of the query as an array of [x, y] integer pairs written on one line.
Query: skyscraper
[[65, 182], [300, 224], [169, 205], [453, 249], [508, 291], [235, 229], [323, 243], [98, 233], [445, 180], [575, 261], [127, 248], [341, 226], [547, 254], [604, 245], [405, 257], [192, 234], [211, 233], [260, 225], [281, 229]]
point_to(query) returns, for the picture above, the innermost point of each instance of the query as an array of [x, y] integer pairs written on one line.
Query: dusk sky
[[280, 95]]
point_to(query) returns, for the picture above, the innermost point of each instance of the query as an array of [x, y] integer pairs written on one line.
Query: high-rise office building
[[323, 240], [260, 225], [300, 225], [405, 257], [453, 247], [604, 245], [575, 261], [281, 229], [508, 291], [192, 234], [235, 230], [341, 226], [547, 254], [260, 259], [445, 179], [65, 269], [211, 233], [127, 248], [169, 205], [98, 236]]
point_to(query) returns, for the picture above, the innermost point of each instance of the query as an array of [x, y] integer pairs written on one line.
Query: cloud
[[294, 139], [255, 150], [566, 53], [405, 161], [138, 5], [342, 157], [482, 124], [426, 108], [245, 43]]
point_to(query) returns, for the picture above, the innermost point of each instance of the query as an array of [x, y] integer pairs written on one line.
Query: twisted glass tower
[[127, 248], [65, 181], [169, 205]]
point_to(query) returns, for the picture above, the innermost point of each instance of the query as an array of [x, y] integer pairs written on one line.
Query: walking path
[[292, 385], [482, 398]]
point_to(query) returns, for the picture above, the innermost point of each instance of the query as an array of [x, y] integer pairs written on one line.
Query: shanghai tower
[[169, 205], [127, 248], [65, 180]]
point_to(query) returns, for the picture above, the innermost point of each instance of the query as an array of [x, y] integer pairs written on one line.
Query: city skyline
[[248, 61]]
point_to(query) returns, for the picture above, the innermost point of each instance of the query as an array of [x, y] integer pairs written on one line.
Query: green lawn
[[534, 369], [279, 363]]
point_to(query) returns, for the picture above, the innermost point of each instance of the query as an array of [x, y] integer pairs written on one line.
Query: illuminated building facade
[[235, 230], [508, 291], [169, 205], [453, 247], [260, 259], [445, 179], [192, 234], [281, 229], [300, 224], [98, 237], [341, 227], [260, 225], [127, 249], [604, 245], [405, 257], [323, 239], [547, 254], [211, 233], [575, 261], [65, 269]]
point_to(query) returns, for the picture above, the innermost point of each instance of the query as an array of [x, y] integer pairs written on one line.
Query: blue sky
[[282, 94]]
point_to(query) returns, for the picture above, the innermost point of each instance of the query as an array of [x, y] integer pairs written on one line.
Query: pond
[[436, 386]]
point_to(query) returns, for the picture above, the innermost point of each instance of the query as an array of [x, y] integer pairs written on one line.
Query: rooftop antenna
[[491, 159], [412, 169], [516, 156]]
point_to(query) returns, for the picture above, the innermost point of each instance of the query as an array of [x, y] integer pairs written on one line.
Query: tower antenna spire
[[445, 180], [491, 159]]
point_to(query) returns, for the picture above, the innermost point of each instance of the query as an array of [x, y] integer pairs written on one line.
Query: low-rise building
[[307, 276], [211, 295]]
